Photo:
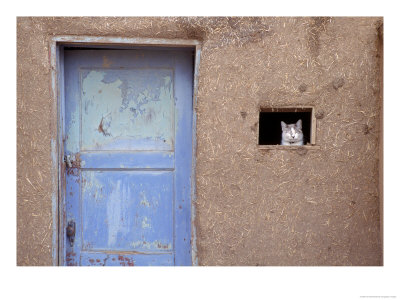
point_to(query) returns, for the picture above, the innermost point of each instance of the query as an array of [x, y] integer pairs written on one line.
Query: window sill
[[282, 147]]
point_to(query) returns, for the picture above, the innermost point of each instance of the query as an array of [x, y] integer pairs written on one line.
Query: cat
[[292, 134]]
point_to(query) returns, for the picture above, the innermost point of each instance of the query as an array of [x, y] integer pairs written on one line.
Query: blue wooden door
[[128, 153]]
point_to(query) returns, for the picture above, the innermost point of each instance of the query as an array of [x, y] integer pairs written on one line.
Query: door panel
[[128, 134], [142, 120], [127, 211]]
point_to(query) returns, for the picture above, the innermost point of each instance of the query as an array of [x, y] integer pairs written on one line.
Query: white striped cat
[[292, 135]]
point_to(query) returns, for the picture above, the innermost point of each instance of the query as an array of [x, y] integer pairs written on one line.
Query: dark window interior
[[270, 130]]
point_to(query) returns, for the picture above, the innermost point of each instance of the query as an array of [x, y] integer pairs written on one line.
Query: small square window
[[270, 128]]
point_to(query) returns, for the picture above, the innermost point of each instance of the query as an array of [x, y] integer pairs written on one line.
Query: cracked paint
[[129, 217], [122, 130], [145, 223], [127, 109]]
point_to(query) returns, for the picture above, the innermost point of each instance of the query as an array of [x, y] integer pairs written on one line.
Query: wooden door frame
[[56, 56]]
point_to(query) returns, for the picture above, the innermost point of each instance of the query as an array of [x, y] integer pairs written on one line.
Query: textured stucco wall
[[253, 207]]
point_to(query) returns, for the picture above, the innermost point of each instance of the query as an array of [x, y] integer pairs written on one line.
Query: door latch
[[71, 232], [68, 160]]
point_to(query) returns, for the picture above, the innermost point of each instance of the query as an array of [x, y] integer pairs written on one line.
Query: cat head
[[292, 133]]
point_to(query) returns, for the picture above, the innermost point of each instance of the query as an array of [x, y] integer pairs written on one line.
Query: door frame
[[56, 57]]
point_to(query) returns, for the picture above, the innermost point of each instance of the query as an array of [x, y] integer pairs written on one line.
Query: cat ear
[[298, 124], [283, 124]]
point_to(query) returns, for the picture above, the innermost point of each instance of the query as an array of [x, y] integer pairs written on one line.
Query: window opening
[[270, 128]]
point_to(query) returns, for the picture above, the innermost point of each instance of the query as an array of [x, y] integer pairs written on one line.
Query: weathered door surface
[[128, 147]]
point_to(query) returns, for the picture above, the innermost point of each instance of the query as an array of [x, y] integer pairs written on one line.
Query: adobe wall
[[253, 207]]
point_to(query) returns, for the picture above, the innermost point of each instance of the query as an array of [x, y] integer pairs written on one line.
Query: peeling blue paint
[[129, 125], [140, 116], [113, 213]]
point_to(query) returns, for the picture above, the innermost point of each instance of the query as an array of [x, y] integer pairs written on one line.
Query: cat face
[[292, 133]]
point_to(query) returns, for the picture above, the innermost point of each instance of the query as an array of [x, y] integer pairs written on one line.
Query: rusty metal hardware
[[71, 232], [68, 160]]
